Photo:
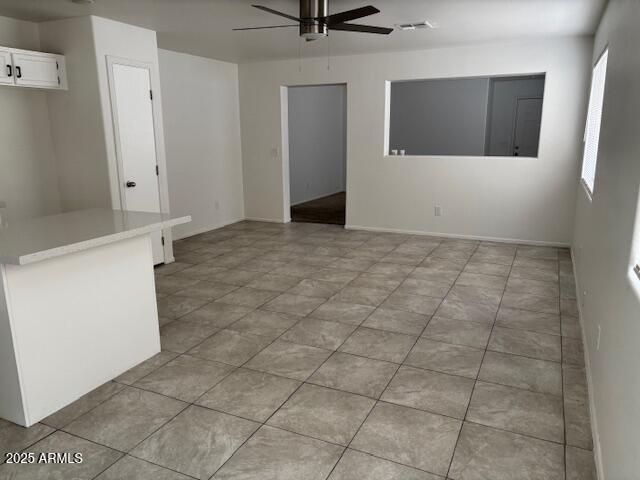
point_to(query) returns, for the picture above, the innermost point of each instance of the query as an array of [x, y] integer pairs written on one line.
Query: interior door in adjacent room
[[132, 105], [527, 127]]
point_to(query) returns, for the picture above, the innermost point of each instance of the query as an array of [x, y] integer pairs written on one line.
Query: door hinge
[[162, 240], [151, 94], [157, 170]]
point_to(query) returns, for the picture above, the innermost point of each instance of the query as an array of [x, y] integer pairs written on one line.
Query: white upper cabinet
[[6, 67], [23, 68]]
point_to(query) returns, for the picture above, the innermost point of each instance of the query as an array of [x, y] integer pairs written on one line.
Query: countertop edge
[[92, 243]]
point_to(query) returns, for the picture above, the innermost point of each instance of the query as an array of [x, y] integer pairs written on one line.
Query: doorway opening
[[317, 152]]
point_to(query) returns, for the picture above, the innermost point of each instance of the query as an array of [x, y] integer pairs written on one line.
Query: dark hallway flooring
[[330, 209]]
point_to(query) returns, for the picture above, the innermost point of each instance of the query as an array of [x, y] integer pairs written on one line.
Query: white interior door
[[36, 70], [6, 68], [136, 143], [527, 128]]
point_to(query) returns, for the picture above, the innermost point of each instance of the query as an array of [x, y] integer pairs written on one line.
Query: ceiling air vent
[[416, 25]]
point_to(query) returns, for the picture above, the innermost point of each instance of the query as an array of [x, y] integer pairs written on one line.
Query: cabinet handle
[[18, 72], [9, 71]]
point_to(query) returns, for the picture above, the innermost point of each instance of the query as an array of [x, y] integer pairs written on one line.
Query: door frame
[[284, 145], [159, 147]]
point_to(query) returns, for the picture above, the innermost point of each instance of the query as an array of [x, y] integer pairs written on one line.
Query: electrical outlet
[[437, 211], [598, 339]]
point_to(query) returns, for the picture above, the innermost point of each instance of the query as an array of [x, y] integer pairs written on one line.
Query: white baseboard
[[463, 237], [207, 228], [597, 451], [269, 220]]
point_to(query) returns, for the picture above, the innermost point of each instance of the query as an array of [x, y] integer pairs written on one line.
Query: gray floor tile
[[411, 437], [569, 306], [527, 320], [572, 351], [574, 381], [487, 268], [185, 378], [171, 268], [355, 264], [403, 258], [425, 390], [354, 374], [230, 347], [218, 315], [534, 303], [444, 265], [248, 297], [528, 344], [315, 288], [522, 372], [434, 274], [207, 290], [171, 284], [412, 303], [378, 344], [274, 454], [356, 465], [580, 464], [249, 394], [182, 335], [323, 413], [397, 321], [484, 296], [175, 307], [458, 332], [571, 327], [197, 442], [289, 360], [265, 324], [481, 280], [274, 282], [485, 453], [376, 280], [95, 458], [534, 287], [578, 424], [519, 411], [473, 312], [334, 275], [14, 438], [81, 406], [428, 288], [134, 468], [392, 270], [235, 276], [539, 263], [319, 333], [445, 358], [349, 313], [534, 274], [126, 418], [362, 295], [145, 368], [294, 304]]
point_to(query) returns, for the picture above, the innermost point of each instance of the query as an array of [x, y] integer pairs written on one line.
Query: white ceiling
[[203, 27]]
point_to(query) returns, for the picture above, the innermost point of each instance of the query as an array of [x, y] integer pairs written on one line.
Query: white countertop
[[33, 240]]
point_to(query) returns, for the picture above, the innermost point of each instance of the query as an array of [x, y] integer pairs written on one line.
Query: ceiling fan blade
[[352, 27], [262, 28], [275, 12], [350, 15]]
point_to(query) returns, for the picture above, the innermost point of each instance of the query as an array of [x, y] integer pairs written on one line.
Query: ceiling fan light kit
[[315, 22]]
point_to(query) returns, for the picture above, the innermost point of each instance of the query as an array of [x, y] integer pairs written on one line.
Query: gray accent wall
[[439, 117], [317, 141]]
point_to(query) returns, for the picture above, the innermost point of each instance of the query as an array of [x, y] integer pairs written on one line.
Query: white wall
[[317, 141], [602, 252], [202, 137], [507, 198], [28, 182]]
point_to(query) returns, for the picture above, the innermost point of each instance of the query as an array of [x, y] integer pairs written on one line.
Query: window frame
[[590, 189]]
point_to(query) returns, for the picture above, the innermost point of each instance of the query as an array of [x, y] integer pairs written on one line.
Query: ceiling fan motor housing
[[311, 28]]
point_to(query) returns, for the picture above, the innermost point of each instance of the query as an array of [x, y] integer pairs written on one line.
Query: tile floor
[[307, 351]]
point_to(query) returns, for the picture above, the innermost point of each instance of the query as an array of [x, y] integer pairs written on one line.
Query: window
[[474, 116], [592, 129]]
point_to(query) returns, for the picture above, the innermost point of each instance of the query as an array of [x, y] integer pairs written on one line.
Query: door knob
[[130, 184]]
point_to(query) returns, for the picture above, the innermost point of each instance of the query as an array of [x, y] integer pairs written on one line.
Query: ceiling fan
[[315, 22]]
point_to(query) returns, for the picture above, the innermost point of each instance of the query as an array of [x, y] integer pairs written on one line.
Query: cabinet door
[[36, 70], [6, 68]]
